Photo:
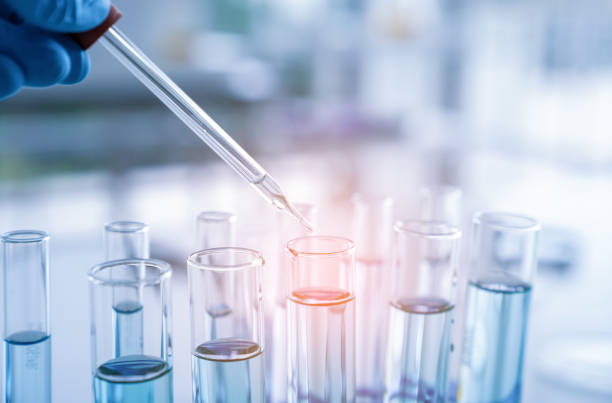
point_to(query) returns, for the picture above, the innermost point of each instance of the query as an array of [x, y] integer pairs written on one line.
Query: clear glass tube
[[215, 229], [227, 339], [497, 307], [372, 232], [440, 203], [126, 240], [321, 320], [141, 373], [27, 338], [276, 277], [421, 311]]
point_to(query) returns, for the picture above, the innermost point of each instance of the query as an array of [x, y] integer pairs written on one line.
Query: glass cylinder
[[276, 277], [321, 320], [440, 203], [226, 308], [503, 263], [215, 229], [421, 311], [372, 232], [131, 348], [25, 275], [126, 240]]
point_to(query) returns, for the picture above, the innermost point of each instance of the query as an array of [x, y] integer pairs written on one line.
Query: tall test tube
[[421, 311], [132, 376], [321, 320], [127, 240], [276, 277], [372, 232], [25, 275], [225, 298], [497, 307]]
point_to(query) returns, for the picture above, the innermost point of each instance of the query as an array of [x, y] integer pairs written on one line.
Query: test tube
[[127, 240], [27, 338], [440, 203], [373, 232], [321, 320], [276, 278], [421, 311], [497, 307], [215, 229], [225, 299], [145, 376]]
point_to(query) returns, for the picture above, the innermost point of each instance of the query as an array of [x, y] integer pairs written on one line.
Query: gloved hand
[[33, 52]]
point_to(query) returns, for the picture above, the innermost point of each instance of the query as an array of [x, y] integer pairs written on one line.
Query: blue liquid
[[418, 350], [28, 367], [128, 328], [494, 340], [133, 379], [228, 370]]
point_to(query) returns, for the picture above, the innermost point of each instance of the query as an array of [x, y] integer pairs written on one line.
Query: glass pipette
[[197, 120]]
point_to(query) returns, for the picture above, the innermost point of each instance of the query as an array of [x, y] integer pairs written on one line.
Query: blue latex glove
[[33, 50]]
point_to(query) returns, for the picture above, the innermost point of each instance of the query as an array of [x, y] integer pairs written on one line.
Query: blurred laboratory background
[[507, 100]]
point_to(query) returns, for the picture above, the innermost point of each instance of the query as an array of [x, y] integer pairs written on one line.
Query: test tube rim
[[15, 236], [349, 246], [489, 219], [136, 226], [257, 261], [413, 227], [165, 271], [217, 216]]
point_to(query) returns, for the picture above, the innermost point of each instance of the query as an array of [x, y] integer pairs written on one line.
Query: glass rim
[[164, 268], [126, 227], [24, 236], [506, 221], [256, 261], [428, 229], [349, 246], [216, 216]]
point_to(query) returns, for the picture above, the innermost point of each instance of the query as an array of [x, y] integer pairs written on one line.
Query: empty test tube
[[144, 375], [421, 311], [321, 320], [504, 249], [27, 338], [372, 232], [227, 339]]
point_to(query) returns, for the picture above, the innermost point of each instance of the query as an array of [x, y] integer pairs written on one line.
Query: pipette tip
[[305, 223]]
